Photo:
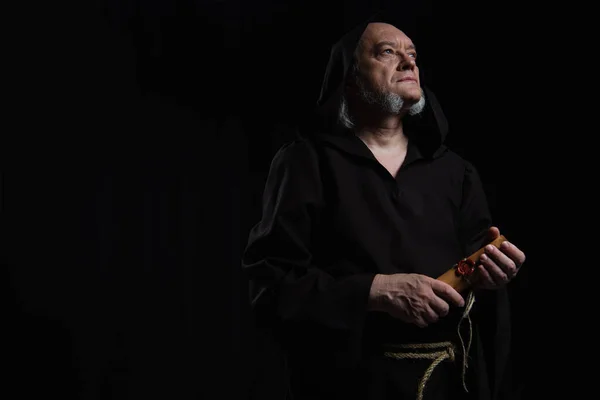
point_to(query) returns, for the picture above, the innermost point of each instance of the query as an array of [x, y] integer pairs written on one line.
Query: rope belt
[[437, 352]]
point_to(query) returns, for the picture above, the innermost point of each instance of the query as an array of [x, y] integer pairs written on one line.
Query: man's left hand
[[498, 266]]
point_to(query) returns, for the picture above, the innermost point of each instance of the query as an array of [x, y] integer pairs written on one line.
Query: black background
[[141, 140]]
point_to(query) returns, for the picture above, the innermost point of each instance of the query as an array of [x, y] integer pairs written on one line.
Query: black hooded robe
[[333, 217]]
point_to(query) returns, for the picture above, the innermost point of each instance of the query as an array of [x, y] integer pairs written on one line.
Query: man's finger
[[493, 233], [421, 323], [499, 277], [503, 258], [513, 252], [431, 316], [485, 280], [440, 307], [447, 292]]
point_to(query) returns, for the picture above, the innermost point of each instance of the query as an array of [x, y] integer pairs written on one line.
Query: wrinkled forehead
[[377, 32]]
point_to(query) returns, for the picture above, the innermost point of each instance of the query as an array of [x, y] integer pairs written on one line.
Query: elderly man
[[360, 218]]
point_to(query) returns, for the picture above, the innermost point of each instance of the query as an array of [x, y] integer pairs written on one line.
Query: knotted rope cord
[[446, 353], [466, 314], [445, 350]]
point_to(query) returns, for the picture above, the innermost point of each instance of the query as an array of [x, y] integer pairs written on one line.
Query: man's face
[[387, 62]]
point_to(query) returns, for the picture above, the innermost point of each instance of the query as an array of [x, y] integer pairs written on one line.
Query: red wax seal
[[465, 267]]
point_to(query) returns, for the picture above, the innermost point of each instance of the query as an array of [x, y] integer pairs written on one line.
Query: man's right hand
[[413, 298]]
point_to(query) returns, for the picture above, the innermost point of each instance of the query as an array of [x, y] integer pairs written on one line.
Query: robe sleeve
[[279, 257], [475, 218]]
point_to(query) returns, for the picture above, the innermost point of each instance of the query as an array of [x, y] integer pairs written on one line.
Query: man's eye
[[388, 51]]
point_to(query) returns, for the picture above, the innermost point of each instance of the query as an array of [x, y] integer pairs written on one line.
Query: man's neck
[[386, 135]]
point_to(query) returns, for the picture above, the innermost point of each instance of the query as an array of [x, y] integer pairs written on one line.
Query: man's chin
[[411, 99], [417, 106]]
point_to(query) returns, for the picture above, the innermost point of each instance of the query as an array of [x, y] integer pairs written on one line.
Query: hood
[[428, 129]]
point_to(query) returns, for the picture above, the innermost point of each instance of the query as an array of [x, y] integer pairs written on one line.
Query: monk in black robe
[[361, 214]]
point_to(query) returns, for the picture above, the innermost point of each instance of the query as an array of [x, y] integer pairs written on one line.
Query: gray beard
[[389, 102]]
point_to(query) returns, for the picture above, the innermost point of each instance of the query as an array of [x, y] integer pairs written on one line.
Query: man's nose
[[406, 62]]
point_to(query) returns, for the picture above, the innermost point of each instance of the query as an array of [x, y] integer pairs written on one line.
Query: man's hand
[[498, 266], [413, 298]]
